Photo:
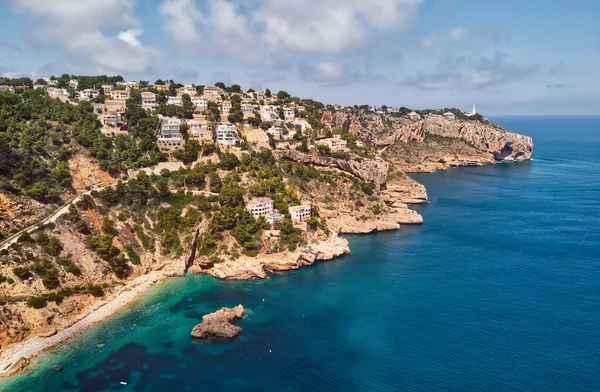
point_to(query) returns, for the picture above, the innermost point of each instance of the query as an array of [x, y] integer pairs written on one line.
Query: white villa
[[248, 110], [303, 123], [88, 94], [108, 87], [226, 135], [170, 136], [225, 106], [148, 100], [175, 101], [334, 143], [119, 95], [190, 90], [289, 113], [449, 115], [414, 116], [268, 113], [200, 103], [56, 92], [213, 90], [262, 206], [276, 132], [200, 131], [300, 213]]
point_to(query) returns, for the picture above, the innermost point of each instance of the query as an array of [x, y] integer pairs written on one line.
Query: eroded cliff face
[[407, 143], [369, 170], [502, 144], [378, 130]]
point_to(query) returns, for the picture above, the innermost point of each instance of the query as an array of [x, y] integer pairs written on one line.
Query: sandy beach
[[18, 356]]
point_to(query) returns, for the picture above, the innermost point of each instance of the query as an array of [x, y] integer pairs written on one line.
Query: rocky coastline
[[420, 146]]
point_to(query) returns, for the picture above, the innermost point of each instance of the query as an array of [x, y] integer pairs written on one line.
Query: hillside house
[[119, 95], [289, 113], [302, 123], [54, 92], [450, 116], [261, 206], [300, 213], [213, 90], [268, 113], [334, 143], [248, 110], [88, 94], [276, 132], [129, 84], [414, 116], [190, 90], [161, 87], [200, 103], [148, 100], [200, 131], [175, 101], [226, 135], [169, 138], [225, 106]]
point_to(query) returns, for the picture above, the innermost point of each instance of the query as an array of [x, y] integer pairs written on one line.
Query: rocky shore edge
[[16, 358]]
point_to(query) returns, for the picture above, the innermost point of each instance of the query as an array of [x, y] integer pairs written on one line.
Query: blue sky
[[508, 57]]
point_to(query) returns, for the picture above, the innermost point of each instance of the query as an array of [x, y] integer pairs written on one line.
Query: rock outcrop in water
[[219, 325]]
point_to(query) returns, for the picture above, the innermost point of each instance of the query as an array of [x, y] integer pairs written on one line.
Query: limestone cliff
[[502, 144], [488, 142], [369, 170]]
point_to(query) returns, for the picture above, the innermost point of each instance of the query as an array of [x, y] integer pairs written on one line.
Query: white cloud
[[335, 74], [428, 41], [274, 28], [77, 26], [180, 18], [458, 33], [463, 73]]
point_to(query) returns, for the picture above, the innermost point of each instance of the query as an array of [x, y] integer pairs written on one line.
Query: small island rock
[[218, 325]]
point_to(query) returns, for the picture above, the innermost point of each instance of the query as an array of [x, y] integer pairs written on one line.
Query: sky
[[506, 56]]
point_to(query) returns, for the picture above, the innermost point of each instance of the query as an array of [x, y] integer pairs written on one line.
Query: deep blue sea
[[499, 290]]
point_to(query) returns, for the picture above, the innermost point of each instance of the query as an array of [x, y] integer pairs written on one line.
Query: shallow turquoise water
[[499, 290]]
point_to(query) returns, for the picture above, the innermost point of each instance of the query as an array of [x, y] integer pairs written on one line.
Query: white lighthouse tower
[[474, 112]]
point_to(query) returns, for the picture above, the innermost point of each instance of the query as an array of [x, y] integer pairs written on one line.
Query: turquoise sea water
[[499, 290]]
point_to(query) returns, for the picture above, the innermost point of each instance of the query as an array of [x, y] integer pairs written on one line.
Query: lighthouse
[[474, 112]]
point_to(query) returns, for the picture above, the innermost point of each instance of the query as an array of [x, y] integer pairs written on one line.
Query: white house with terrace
[[175, 101], [226, 135], [276, 132], [88, 94], [225, 106], [213, 90], [170, 135], [260, 206], [300, 213], [289, 113], [120, 95], [200, 102], [148, 100], [190, 90]]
